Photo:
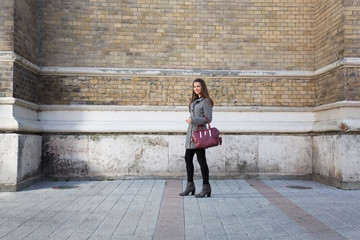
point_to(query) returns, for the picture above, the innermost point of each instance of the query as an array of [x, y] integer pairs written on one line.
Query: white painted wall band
[[19, 115]]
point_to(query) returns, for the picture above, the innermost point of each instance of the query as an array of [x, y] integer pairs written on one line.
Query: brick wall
[[25, 43], [352, 85], [352, 48], [193, 34], [6, 79], [352, 28], [25, 84], [230, 35], [176, 91], [338, 85], [25, 32], [337, 36], [329, 32], [7, 25], [330, 87], [6, 44]]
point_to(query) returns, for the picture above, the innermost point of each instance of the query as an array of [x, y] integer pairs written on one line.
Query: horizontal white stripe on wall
[[18, 115]]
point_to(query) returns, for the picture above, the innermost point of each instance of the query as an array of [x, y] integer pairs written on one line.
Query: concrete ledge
[[17, 115], [90, 71], [341, 116], [20, 185], [337, 183], [182, 176], [8, 188]]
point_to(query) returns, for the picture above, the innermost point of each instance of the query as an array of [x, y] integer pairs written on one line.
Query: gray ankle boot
[[190, 188], [206, 190]]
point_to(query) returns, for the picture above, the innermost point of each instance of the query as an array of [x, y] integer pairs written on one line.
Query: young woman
[[200, 108]]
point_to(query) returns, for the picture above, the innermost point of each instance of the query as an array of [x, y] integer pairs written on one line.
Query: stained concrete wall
[[118, 156], [20, 158], [337, 160]]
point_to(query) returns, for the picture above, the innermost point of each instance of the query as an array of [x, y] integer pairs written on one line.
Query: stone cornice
[[8, 56], [93, 71], [345, 62], [170, 72]]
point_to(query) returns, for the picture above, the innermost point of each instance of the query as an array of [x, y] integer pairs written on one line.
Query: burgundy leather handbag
[[206, 138]]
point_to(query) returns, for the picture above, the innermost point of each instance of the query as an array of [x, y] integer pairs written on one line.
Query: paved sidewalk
[[152, 209]]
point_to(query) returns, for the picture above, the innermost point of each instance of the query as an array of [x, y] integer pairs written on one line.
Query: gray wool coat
[[199, 108]]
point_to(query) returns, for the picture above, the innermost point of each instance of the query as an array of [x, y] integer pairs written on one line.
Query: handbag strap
[[208, 122]]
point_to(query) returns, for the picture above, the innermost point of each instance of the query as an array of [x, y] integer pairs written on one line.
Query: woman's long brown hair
[[204, 92]]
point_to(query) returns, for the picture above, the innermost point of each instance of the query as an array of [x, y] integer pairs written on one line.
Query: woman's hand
[[188, 120]]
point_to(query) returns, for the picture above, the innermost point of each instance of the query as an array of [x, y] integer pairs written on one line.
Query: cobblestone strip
[[315, 227], [170, 223]]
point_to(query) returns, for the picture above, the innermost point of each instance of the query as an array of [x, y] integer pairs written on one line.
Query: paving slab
[[152, 209]]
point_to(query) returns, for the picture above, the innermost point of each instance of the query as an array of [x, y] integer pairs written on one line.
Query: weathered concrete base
[[20, 159], [118, 155], [330, 159], [337, 160], [336, 182], [108, 142]]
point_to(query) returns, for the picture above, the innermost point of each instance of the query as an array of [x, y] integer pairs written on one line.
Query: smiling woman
[[200, 109], [197, 88]]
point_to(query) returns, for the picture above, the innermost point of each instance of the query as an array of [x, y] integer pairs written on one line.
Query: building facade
[[100, 89]]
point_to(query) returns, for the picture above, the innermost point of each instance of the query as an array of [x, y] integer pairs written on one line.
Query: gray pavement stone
[[129, 209], [81, 211], [148, 220], [333, 207], [129, 221], [29, 212], [194, 228], [124, 194]]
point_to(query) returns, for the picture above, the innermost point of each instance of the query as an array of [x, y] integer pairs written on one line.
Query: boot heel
[[206, 191], [190, 188]]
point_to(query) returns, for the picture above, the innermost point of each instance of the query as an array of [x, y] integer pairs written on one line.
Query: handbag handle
[[208, 122]]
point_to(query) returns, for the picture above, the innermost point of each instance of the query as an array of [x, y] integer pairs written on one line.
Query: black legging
[[200, 154]]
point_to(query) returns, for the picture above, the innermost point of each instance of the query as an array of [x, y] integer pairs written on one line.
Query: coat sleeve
[[201, 120]]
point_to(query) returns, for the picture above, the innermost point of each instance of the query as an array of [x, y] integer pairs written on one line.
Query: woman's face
[[197, 88]]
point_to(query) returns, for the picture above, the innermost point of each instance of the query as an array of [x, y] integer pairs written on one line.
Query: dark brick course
[[6, 79], [25, 84]]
